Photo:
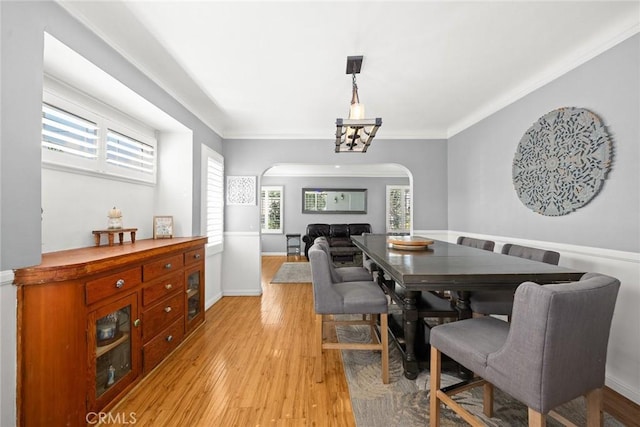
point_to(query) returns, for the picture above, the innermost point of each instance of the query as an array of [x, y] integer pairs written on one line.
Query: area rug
[[293, 272], [405, 403]]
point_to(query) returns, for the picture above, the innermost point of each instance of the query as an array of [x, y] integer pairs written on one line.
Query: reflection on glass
[[113, 348], [193, 295]]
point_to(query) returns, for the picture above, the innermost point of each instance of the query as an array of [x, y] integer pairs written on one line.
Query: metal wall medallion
[[562, 161]]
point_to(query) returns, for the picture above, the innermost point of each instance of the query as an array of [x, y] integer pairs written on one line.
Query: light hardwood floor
[[250, 364]]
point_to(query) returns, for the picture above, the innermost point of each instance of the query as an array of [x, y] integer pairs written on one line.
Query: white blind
[[67, 133], [215, 199], [129, 153]]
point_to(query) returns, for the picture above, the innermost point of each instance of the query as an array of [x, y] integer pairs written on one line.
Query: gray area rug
[[293, 272], [405, 403]]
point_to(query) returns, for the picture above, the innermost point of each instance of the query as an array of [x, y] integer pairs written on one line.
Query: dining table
[[406, 271]]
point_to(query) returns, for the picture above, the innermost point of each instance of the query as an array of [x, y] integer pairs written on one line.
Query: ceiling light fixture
[[354, 135]]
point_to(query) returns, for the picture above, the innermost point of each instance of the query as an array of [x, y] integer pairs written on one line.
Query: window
[[75, 138], [271, 220], [213, 200], [398, 209], [129, 153], [67, 133]]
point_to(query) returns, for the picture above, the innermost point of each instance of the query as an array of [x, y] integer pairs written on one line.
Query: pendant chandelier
[[354, 135]]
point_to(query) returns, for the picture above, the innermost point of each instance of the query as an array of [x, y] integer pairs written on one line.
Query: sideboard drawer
[[164, 343], [112, 284], [162, 288], [160, 315], [194, 256], [161, 267]]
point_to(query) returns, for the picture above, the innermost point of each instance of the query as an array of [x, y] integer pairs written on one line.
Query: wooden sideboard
[[94, 321]]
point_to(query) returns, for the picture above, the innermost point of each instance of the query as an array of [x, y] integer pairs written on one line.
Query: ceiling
[[267, 69]]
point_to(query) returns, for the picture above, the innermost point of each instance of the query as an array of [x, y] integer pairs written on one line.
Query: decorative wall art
[[562, 161], [241, 190]]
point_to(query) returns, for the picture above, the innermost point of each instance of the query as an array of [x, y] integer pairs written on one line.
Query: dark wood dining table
[[444, 266]]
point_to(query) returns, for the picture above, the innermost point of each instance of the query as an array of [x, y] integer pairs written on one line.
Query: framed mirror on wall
[[334, 200]]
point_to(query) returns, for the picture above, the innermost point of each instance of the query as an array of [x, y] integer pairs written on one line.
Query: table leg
[[110, 235], [96, 239], [464, 312], [463, 305], [120, 237], [410, 319], [133, 237]]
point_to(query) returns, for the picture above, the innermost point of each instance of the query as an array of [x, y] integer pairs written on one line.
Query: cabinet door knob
[[120, 283], [136, 323], [167, 309], [169, 338], [197, 256], [168, 286], [167, 266]]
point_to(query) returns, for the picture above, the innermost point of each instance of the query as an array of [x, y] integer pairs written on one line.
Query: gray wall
[[426, 161], [23, 26], [481, 194], [296, 222]]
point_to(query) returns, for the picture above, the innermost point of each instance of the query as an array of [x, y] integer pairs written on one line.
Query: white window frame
[[104, 117], [212, 199], [265, 210], [408, 214]]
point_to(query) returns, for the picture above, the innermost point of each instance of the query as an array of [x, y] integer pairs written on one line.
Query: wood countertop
[[75, 263]]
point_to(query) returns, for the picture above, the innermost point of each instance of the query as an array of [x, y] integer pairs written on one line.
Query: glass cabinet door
[[195, 297], [114, 336]]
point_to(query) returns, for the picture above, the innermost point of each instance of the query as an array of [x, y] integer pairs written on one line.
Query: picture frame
[[162, 227]]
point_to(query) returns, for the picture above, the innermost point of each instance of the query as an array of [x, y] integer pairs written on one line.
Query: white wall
[[174, 190]]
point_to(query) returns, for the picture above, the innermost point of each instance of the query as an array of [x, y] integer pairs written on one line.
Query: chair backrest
[[535, 254], [556, 348], [323, 244], [326, 299], [486, 245]]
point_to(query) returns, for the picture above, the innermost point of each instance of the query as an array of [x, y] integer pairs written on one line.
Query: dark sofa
[[338, 235]]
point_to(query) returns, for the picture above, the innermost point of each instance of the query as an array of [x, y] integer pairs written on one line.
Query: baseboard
[[211, 301], [242, 293]]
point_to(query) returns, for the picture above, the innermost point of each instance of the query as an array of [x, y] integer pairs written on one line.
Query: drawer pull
[[167, 266], [136, 323], [197, 256], [169, 338], [120, 283], [168, 286], [167, 309]]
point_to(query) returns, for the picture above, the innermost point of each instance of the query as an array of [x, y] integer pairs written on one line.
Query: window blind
[[215, 199], [68, 133]]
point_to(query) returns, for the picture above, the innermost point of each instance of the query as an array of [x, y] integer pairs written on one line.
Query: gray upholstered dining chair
[[486, 245], [501, 302], [343, 274], [553, 351], [333, 298]]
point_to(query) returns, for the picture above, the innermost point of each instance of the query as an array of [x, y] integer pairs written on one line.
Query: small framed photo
[[162, 227]]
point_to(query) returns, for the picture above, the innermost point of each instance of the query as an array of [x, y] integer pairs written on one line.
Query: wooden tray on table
[[409, 243]]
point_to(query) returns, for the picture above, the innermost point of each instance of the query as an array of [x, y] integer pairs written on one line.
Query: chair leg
[[594, 408], [434, 404], [319, 365], [487, 399], [536, 419], [384, 338]]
